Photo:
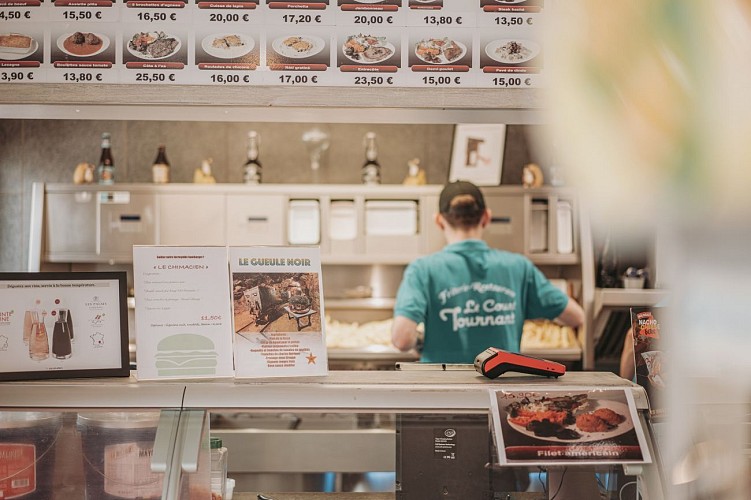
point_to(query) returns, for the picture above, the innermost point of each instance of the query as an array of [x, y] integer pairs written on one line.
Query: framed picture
[[63, 325], [477, 154]]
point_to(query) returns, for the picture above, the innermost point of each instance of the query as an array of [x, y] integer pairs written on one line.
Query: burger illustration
[[186, 354]]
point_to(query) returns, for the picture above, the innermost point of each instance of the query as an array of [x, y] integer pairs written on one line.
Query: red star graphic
[[311, 359]]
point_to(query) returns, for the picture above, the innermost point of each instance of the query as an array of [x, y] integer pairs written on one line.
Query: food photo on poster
[[558, 427]]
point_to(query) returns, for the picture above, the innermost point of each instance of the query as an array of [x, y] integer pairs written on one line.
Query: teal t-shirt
[[471, 297]]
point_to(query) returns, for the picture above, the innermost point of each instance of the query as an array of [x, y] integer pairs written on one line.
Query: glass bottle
[[61, 348], [160, 168], [28, 322], [607, 266], [69, 321], [371, 170], [39, 343], [106, 168], [218, 467], [252, 167]]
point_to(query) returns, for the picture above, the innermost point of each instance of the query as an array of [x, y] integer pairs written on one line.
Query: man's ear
[[485, 219], [440, 221]]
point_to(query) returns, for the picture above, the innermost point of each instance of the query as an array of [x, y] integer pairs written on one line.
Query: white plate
[[230, 52], [14, 56], [368, 1], [586, 437], [102, 47], [144, 55], [317, 45], [510, 1], [362, 60], [490, 50], [441, 57]]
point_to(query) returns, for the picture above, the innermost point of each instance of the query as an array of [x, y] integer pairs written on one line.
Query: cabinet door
[[191, 219], [70, 226], [506, 228], [125, 219], [255, 219]]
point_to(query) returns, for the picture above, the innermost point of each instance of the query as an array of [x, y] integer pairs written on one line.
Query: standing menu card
[[183, 325], [277, 310], [572, 426]]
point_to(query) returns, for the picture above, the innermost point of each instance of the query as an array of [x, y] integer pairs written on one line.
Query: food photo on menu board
[[87, 45], [231, 4], [150, 44], [518, 54], [426, 4], [297, 4], [451, 49], [558, 427], [22, 48], [303, 49], [371, 50], [510, 5], [376, 5], [232, 49]]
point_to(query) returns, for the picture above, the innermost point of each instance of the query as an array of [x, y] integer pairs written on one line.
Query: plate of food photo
[[298, 46], [570, 418], [227, 45], [367, 49], [14, 46], [440, 50], [83, 44], [512, 51], [153, 45]]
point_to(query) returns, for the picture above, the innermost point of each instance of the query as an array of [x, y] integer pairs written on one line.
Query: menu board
[[182, 312], [357, 43], [277, 312], [560, 427]]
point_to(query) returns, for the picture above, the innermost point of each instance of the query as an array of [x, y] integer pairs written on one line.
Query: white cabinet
[[191, 219], [254, 219]]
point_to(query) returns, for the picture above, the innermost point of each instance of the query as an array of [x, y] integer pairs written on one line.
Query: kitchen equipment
[[342, 220], [303, 222], [493, 362], [538, 228]]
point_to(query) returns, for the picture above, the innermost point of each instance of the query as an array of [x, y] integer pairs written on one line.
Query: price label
[[150, 16], [297, 79], [15, 15], [502, 81], [298, 18], [373, 19], [211, 317], [83, 13], [440, 80], [230, 78], [514, 20], [373, 81], [81, 76], [457, 19], [18, 76], [150, 77], [443, 20], [228, 17]]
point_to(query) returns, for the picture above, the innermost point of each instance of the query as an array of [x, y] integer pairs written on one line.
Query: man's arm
[[404, 333], [572, 315]]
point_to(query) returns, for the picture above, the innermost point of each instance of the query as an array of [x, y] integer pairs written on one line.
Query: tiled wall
[[48, 150]]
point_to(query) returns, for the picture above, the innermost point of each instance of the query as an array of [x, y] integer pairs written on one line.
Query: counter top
[[460, 388]]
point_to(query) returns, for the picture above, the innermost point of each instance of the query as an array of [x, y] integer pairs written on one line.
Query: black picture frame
[[42, 283]]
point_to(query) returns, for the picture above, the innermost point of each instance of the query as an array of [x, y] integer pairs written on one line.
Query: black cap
[[454, 189]]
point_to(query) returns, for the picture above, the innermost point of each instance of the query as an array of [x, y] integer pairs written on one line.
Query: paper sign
[[183, 323], [649, 359], [277, 308], [561, 427]]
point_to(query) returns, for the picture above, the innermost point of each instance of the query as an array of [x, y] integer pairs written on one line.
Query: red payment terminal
[[492, 362]]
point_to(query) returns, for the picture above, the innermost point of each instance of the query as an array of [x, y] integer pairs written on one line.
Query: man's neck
[[457, 235]]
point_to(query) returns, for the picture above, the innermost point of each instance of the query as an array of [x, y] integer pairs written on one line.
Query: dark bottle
[[69, 321], [106, 168], [160, 168], [252, 167], [371, 170], [607, 265], [61, 348]]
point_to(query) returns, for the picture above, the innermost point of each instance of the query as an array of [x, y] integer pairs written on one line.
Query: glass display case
[[351, 434]]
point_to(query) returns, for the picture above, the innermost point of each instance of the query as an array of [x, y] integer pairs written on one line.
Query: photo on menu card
[[21, 47], [277, 311], [369, 50], [572, 426]]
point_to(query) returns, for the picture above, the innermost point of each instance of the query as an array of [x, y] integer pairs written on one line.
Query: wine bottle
[[371, 169], [252, 167], [160, 168], [106, 168]]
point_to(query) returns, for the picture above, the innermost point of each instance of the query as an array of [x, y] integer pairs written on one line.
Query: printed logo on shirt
[[491, 311]]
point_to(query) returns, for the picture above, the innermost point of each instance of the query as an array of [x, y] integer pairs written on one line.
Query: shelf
[[622, 297], [554, 259], [555, 353]]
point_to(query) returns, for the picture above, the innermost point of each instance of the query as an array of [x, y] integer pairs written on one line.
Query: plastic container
[[218, 469], [117, 450], [27, 454]]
